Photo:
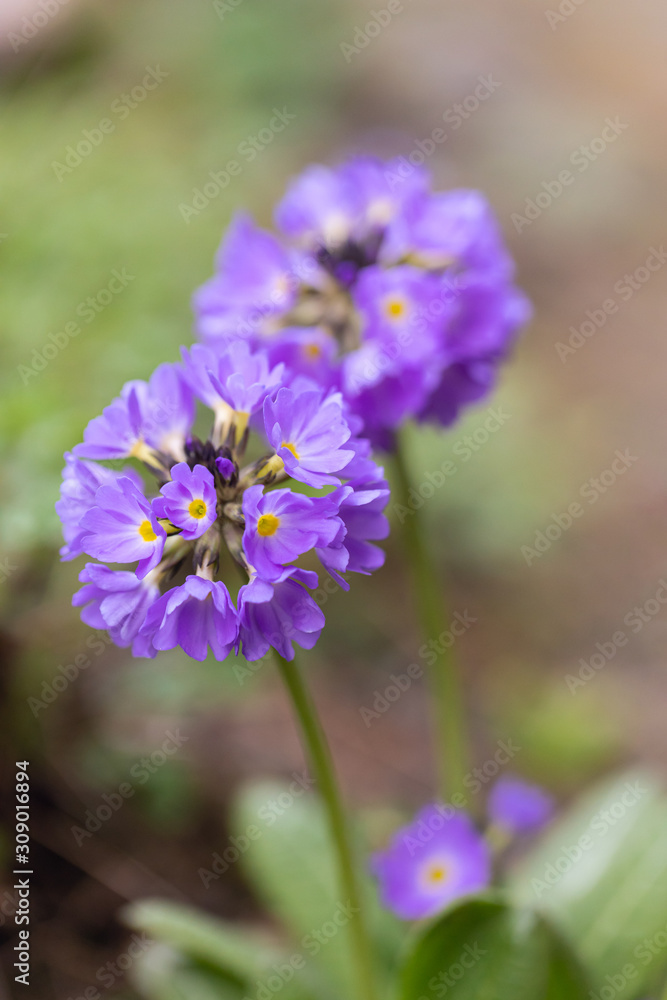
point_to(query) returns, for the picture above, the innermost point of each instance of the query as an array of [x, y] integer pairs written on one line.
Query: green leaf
[[482, 949], [164, 974], [601, 876], [293, 870], [242, 957]]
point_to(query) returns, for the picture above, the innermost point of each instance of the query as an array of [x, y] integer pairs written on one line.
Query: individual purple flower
[[196, 616], [438, 858], [395, 305], [308, 352], [519, 807], [81, 481], [147, 417], [254, 280], [307, 433], [362, 502], [122, 528], [329, 206], [117, 601], [281, 525], [278, 615], [188, 500], [237, 379]]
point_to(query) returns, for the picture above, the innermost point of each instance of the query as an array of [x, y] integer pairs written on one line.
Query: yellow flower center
[[145, 529], [437, 874], [312, 351], [267, 525], [290, 447], [395, 308], [197, 508]]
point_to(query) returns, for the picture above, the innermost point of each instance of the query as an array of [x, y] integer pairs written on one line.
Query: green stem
[[446, 683], [320, 758]]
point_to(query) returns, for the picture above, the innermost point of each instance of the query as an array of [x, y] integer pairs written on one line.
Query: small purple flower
[[519, 807], [81, 481], [438, 858], [189, 500], [308, 352], [148, 416], [277, 615], [254, 280], [307, 433], [237, 379], [196, 616], [121, 527], [116, 600], [329, 206], [362, 502], [281, 525]]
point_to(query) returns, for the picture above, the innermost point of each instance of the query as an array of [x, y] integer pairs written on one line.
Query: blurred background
[[501, 96]]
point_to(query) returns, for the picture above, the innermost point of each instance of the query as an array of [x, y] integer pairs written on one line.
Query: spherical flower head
[[308, 432], [214, 507], [196, 616], [278, 615], [122, 528], [519, 807], [188, 500], [438, 858], [414, 290]]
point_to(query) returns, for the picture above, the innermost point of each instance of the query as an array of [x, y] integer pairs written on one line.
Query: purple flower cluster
[[399, 298], [441, 856], [309, 484]]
